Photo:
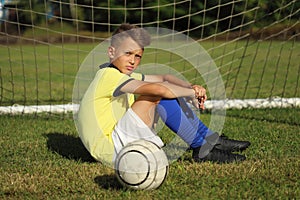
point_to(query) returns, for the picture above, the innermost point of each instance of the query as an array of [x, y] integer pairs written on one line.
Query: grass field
[[43, 158]]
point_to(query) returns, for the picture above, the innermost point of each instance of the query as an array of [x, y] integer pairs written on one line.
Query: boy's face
[[127, 56]]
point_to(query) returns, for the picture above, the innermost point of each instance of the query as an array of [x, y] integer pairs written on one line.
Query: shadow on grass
[[71, 147], [108, 182], [68, 146]]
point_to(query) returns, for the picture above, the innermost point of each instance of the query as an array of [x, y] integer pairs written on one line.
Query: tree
[[29, 12]]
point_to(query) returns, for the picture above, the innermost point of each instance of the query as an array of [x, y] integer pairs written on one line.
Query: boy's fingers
[[199, 90], [201, 102]]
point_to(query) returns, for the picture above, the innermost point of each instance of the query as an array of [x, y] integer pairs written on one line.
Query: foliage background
[[201, 18]]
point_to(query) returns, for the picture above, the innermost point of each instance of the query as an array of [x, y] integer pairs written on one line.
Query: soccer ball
[[141, 165]]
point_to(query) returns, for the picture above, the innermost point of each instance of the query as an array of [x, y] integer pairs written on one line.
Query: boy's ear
[[111, 52]]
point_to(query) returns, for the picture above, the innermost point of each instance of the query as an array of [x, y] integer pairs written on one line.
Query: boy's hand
[[201, 101], [200, 95]]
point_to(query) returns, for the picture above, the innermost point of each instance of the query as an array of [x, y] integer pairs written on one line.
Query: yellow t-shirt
[[100, 109]]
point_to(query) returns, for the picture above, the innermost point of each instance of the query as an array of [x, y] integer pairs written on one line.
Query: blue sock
[[181, 119]]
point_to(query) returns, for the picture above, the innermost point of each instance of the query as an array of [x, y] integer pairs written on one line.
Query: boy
[[109, 117]]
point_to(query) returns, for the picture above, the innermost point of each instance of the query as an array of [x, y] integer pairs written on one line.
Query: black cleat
[[230, 145], [217, 156]]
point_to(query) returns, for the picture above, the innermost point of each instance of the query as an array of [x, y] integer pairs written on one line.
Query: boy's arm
[[161, 89], [168, 78], [200, 92]]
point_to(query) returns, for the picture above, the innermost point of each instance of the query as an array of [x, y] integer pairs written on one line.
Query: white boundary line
[[213, 104], [253, 103]]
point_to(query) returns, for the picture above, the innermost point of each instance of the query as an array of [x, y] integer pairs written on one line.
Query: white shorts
[[130, 128]]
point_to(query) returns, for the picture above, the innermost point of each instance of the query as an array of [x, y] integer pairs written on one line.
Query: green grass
[[43, 74], [43, 158]]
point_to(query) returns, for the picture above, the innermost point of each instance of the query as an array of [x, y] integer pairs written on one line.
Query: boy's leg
[[177, 115], [181, 119], [184, 121], [136, 124], [145, 108]]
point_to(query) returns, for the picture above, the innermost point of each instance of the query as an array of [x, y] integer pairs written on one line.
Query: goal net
[[254, 44]]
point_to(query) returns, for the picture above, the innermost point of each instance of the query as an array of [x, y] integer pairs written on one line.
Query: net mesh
[[255, 45]]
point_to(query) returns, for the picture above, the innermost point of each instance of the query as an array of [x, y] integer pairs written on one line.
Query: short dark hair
[[139, 35]]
